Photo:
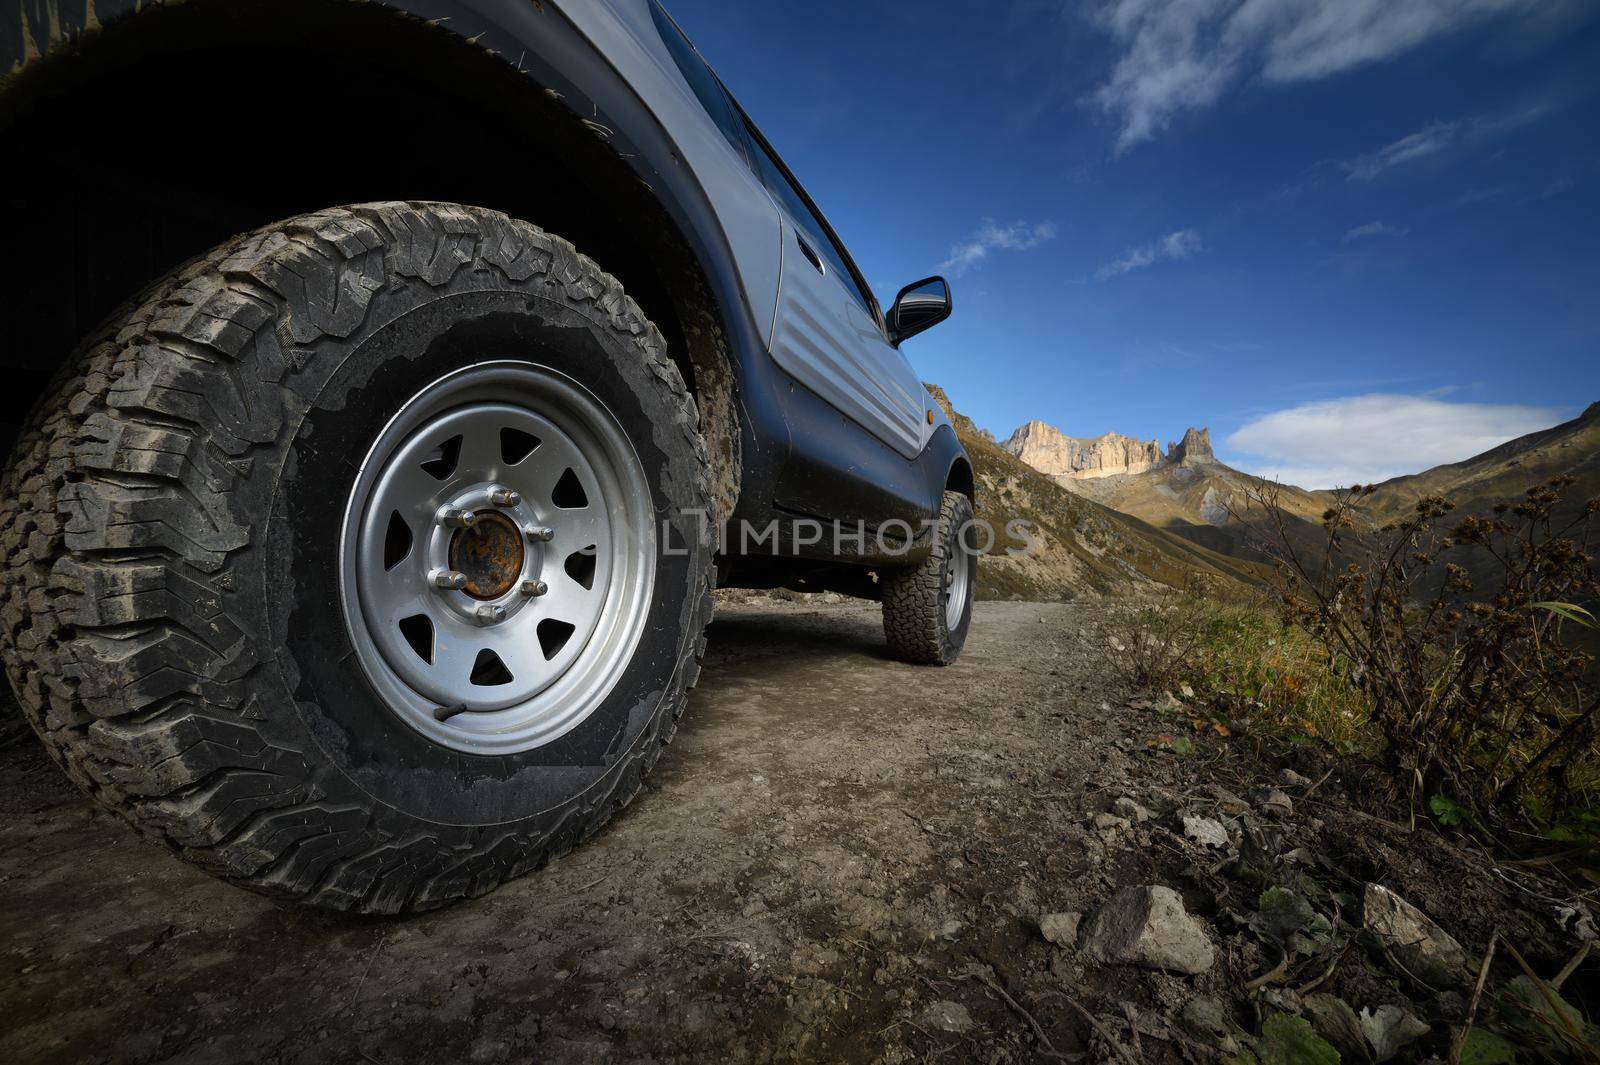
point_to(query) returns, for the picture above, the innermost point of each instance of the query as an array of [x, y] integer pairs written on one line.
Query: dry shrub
[[1484, 702]]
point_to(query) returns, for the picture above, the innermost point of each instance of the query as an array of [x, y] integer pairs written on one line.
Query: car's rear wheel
[[359, 561], [927, 608]]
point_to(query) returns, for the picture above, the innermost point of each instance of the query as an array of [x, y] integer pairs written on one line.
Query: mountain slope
[[1502, 474], [1186, 493], [1083, 548]]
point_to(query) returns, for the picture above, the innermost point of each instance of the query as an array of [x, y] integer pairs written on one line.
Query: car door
[[826, 330]]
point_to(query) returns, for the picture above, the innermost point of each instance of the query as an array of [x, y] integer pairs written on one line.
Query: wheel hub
[[489, 554]]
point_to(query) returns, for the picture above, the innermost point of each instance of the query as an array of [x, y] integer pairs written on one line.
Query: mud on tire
[[916, 599], [170, 621]]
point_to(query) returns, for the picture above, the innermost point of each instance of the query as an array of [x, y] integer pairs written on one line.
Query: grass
[[1476, 701], [1245, 664]]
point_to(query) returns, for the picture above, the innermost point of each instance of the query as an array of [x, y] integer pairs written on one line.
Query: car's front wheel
[[927, 608], [359, 560]]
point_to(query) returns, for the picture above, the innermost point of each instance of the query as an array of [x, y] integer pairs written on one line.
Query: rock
[[1290, 779], [1050, 451], [1169, 703], [1060, 928], [947, 1016], [1427, 951], [1126, 807], [1194, 447], [1110, 823], [1186, 691], [1273, 802], [1148, 927], [1116, 644], [1208, 1019], [1204, 831]]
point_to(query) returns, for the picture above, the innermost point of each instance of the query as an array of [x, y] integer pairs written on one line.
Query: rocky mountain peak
[[1052, 452], [1194, 447], [1590, 412]]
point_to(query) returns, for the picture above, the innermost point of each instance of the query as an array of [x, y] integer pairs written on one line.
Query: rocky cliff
[[1051, 452], [1194, 447]]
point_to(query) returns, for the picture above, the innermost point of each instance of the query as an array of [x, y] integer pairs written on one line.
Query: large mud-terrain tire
[[927, 608], [175, 617]]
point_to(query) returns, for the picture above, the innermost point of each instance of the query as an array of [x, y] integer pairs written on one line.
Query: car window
[[815, 232], [707, 89]]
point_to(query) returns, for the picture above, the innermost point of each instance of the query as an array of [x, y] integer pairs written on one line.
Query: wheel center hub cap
[[489, 554]]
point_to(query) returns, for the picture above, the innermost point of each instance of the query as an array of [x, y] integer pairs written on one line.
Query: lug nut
[[504, 497], [534, 587], [488, 614], [457, 519], [444, 578], [538, 532]]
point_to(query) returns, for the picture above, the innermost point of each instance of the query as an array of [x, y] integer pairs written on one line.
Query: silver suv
[[362, 554]]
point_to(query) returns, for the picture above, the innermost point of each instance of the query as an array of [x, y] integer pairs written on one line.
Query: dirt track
[[820, 869]]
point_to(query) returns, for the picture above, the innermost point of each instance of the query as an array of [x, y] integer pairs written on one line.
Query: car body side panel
[[826, 340]]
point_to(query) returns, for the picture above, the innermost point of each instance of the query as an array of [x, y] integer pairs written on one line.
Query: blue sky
[[1355, 238]]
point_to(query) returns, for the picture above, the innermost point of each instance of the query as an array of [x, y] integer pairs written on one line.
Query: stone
[[1274, 802], [1205, 831], [1060, 928], [1290, 779], [1427, 951], [1109, 821], [1148, 926], [947, 1016], [1132, 811]]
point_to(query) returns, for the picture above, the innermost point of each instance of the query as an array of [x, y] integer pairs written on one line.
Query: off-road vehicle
[[448, 352]]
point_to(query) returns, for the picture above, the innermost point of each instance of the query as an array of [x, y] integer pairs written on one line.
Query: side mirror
[[918, 307]]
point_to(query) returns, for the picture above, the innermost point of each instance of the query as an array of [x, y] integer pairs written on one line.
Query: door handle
[[809, 253]]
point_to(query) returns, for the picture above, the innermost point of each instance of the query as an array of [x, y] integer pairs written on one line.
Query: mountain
[[1051, 452], [1083, 548], [1502, 474], [1184, 491]]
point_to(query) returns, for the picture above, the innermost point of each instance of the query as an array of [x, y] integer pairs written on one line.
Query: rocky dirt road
[[840, 858]]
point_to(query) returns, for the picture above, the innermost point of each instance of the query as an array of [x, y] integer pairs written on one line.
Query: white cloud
[[1362, 439], [1373, 229], [1174, 246], [1182, 55], [1441, 136], [1018, 236]]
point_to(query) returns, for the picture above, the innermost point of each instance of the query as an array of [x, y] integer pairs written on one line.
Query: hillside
[[1185, 492], [1084, 548], [1502, 474]]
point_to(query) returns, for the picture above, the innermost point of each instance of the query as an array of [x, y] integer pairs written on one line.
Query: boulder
[[1148, 926]]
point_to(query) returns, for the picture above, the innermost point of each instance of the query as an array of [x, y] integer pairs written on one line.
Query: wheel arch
[[960, 479], [155, 131]]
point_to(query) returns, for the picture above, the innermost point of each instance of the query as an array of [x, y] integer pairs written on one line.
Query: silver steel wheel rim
[[554, 610], [957, 569]]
